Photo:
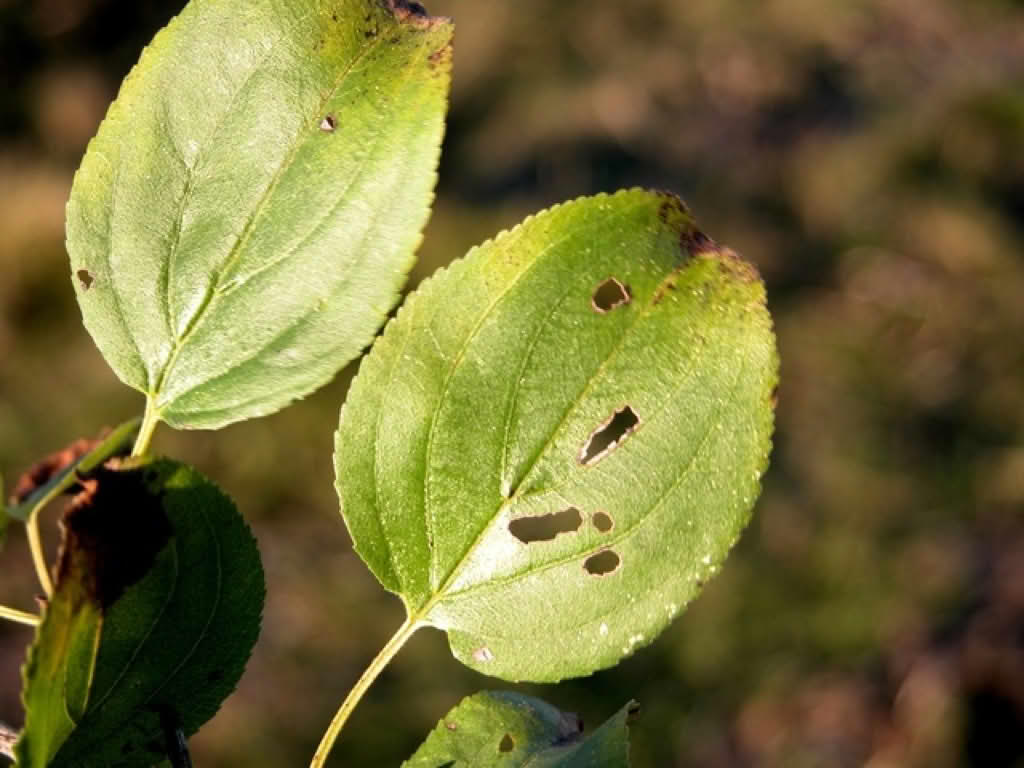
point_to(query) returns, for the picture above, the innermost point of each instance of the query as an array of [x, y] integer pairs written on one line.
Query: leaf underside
[[604, 369], [245, 217], [505, 730], [156, 609]]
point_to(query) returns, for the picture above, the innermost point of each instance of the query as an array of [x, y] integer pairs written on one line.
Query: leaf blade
[[505, 729], [155, 612], [479, 405], [221, 236]]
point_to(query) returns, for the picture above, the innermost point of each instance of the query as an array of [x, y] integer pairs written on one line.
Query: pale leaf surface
[[245, 217], [475, 458]]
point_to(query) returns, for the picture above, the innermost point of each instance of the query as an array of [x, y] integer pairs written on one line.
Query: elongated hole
[[605, 438], [546, 527], [609, 295], [602, 563]]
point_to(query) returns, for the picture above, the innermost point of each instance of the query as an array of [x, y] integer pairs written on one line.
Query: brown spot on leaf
[[40, 473], [729, 262], [113, 531], [414, 13], [693, 241], [441, 58], [406, 8], [672, 208], [668, 284], [85, 278], [546, 527]]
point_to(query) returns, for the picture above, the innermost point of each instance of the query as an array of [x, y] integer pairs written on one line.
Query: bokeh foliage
[[867, 155]]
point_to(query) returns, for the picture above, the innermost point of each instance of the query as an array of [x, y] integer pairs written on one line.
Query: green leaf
[[504, 729], [244, 219], [156, 609], [493, 398]]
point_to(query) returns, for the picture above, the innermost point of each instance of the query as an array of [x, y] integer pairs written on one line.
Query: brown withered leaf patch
[[40, 473], [113, 531]]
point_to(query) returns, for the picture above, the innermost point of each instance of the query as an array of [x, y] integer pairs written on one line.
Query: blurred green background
[[867, 155]]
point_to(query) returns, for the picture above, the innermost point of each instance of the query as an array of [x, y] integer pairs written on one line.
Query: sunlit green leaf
[[504, 730], [243, 221], [156, 609], [495, 396]]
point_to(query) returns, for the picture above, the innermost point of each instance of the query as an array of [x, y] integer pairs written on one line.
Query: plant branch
[[150, 419], [409, 626], [35, 545], [20, 617]]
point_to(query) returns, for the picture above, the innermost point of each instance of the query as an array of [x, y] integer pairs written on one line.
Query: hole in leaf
[[605, 438], [483, 654], [602, 563], [603, 521], [85, 278], [451, 726], [328, 124], [609, 295], [507, 745], [546, 527]]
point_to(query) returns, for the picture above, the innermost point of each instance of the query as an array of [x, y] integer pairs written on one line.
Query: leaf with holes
[[156, 610], [244, 219], [504, 730], [559, 438]]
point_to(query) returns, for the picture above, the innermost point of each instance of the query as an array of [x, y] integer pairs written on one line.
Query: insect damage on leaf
[[546, 527], [85, 278], [602, 563], [609, 435], [113, 531], [609, 295]]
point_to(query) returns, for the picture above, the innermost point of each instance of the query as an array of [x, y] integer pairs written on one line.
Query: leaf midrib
[[628, 531], [457, 567], [243, 237], [453, 367]]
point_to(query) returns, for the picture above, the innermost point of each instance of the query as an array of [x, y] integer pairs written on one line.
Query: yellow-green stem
[[21, 617], [409, 626], [149, 421], [35, 545]]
